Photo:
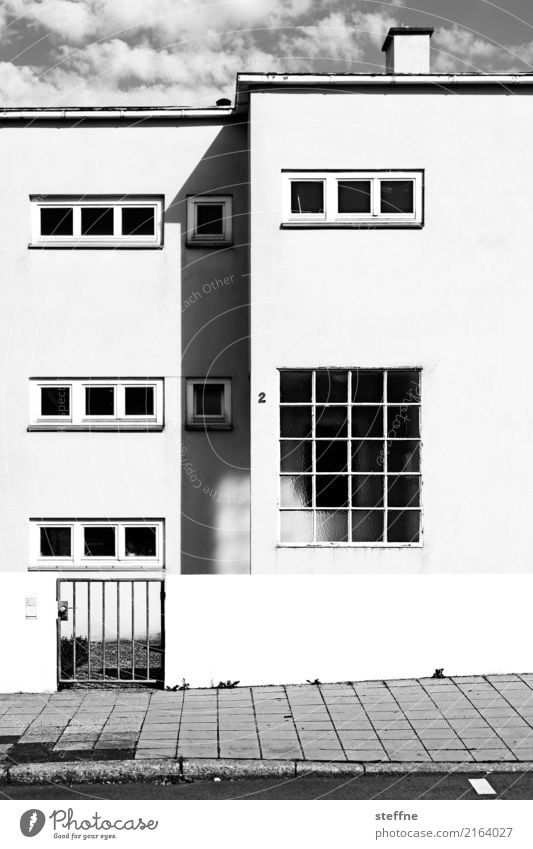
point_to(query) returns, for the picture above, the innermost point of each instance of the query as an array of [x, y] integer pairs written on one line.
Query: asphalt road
[[446, 786]]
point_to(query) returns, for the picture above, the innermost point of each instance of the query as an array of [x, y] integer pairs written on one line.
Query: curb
[[123, 772]]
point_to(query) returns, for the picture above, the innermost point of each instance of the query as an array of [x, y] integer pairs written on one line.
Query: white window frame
[[79, 561], [79, 420], [77, 202], [197, 422], [384, 438], [331, 217], [193, 238]]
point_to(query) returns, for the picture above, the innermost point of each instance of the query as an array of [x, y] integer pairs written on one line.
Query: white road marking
[[482, 786]]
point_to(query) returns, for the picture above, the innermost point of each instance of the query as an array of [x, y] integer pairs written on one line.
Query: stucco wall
[[453, 298]]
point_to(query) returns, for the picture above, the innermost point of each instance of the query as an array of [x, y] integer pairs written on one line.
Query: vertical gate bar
[[89, 628], [118, 629], [133, 630], [147, 630], [74, 630], [103, 630], [58, 630]]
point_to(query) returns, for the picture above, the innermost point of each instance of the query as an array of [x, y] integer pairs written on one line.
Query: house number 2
[[261, 398]]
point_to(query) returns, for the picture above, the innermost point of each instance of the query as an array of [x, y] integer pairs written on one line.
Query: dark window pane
[[331, 491], [367, 525], [367, 385], [140, 542], [210, 219], [99, 542], [55, 401], [295, 421], [296, 526], [332, 456], [331, 421], [99, 400], [403, 456], [396, 196], [295, 387], [368, 456], [332, 386], [296, 491], [354, 195], [296, 456], [307, 196], [55, 542], [139, 400], [403, 386], [403, 491], [96, 221], [403, 526], [57, 221], [209, 399], [367, 491], [403, 422], [331, 526], [367, 421], [138, 221]]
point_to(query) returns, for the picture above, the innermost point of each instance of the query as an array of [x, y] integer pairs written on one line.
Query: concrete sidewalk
[[463, 720]]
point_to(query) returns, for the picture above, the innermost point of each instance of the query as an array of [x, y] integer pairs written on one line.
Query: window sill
[[83, 246], [383, 545], [104, 427], [190, 243], [70, 567], [354, 225], [208, 426]]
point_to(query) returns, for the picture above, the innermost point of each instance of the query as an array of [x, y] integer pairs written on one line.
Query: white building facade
[[263, 367]]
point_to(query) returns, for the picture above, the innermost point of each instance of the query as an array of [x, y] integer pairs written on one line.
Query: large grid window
[[350, 457]]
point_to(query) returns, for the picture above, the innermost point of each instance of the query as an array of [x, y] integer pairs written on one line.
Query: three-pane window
[[72, 403], [373, 198], [350, 456], [84, 543], [97, 221]]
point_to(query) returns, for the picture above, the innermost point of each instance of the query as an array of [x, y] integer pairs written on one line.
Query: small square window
[[209, 219], [307, 197], [209, 403], [55, 541], [96, 221], [139, 401], [140, 541], [99, 541], [99, 401], [354, 196], [55, 401], [57, 221], [138, 221], [397, 197]]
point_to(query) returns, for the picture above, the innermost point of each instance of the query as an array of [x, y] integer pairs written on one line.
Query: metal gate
[[110, 632]]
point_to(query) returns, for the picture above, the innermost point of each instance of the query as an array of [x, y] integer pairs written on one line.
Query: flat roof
[[263, 81]]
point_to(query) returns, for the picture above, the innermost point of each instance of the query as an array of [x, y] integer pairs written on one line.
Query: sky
[[188, 52]]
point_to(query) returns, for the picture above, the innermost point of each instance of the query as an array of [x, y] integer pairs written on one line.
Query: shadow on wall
[[215, 489]]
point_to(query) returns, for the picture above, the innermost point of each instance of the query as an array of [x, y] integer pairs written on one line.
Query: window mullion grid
[[385, 459], [349, 446], [313, 449]]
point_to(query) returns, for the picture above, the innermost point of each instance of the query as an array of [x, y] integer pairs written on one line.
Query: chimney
[[407, 50]]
